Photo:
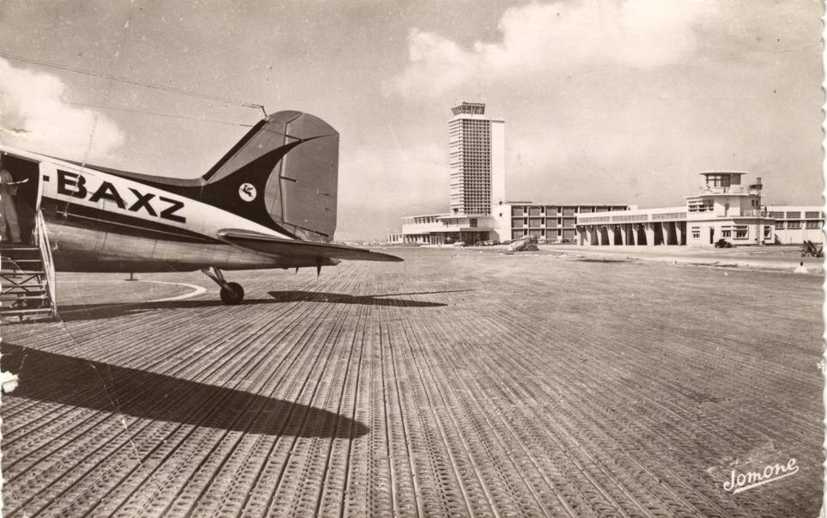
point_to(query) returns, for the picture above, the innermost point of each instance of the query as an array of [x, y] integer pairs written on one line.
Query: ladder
[[27, 277]]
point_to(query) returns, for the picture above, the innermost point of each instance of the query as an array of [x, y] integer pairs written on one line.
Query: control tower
[[727, 209], [722, 194]]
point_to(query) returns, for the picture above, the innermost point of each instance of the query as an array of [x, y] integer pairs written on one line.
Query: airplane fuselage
[[99, 222], [269, 202]]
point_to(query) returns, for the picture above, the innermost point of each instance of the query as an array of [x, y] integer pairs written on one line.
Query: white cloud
[[34, 116], [379, 184], [551, 37], [391, 176], [437, 64]]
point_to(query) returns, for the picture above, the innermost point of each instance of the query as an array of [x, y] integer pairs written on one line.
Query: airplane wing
[[293, 248]]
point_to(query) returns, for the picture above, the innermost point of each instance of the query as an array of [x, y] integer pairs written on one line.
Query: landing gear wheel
[[232, 294]]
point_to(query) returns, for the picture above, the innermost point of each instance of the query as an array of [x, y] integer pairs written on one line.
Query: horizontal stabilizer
[[300, 249]]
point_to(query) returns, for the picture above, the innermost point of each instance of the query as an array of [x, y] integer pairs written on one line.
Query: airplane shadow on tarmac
[[56, 378], [78, 312]]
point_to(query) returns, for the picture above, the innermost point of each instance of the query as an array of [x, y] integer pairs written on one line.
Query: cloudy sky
[[620, 101]]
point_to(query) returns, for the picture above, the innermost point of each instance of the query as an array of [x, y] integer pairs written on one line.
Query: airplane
[[269, 202]]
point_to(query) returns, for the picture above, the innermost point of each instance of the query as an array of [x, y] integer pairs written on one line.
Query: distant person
[[801, 268], [9, 225]]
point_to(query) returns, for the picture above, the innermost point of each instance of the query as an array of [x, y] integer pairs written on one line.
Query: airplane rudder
[[308, 180], [283, 174]]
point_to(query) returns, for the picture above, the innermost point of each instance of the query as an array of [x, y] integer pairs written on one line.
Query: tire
[[232, 294]]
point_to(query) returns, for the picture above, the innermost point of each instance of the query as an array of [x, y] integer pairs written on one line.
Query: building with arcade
[[725, 209]]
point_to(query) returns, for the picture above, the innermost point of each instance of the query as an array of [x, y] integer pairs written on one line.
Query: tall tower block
[[476, 160]]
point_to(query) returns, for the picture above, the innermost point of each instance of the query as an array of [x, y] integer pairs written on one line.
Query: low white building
[[446, 229], [724, 209]]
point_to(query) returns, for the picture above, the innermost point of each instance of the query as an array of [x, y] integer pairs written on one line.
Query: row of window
[[565, 234], [795, 215], [472, 153], [740, 233], [705, 206], [793, 225], [565, 211], [722, 180], [535, 223]]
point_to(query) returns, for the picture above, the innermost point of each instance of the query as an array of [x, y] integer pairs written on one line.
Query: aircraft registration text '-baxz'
[[74, 184]]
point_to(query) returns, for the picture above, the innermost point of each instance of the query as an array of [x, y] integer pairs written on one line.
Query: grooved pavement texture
[[457, 383]]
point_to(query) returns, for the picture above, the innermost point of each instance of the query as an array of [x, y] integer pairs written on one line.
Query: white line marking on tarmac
[[196, 290]]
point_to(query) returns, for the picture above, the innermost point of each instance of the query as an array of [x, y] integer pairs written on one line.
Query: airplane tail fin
[[283, 174]]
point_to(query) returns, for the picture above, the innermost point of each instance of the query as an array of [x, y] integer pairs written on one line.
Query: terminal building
[[724, 209], [479, 212], [478, 208], [441, 229]]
